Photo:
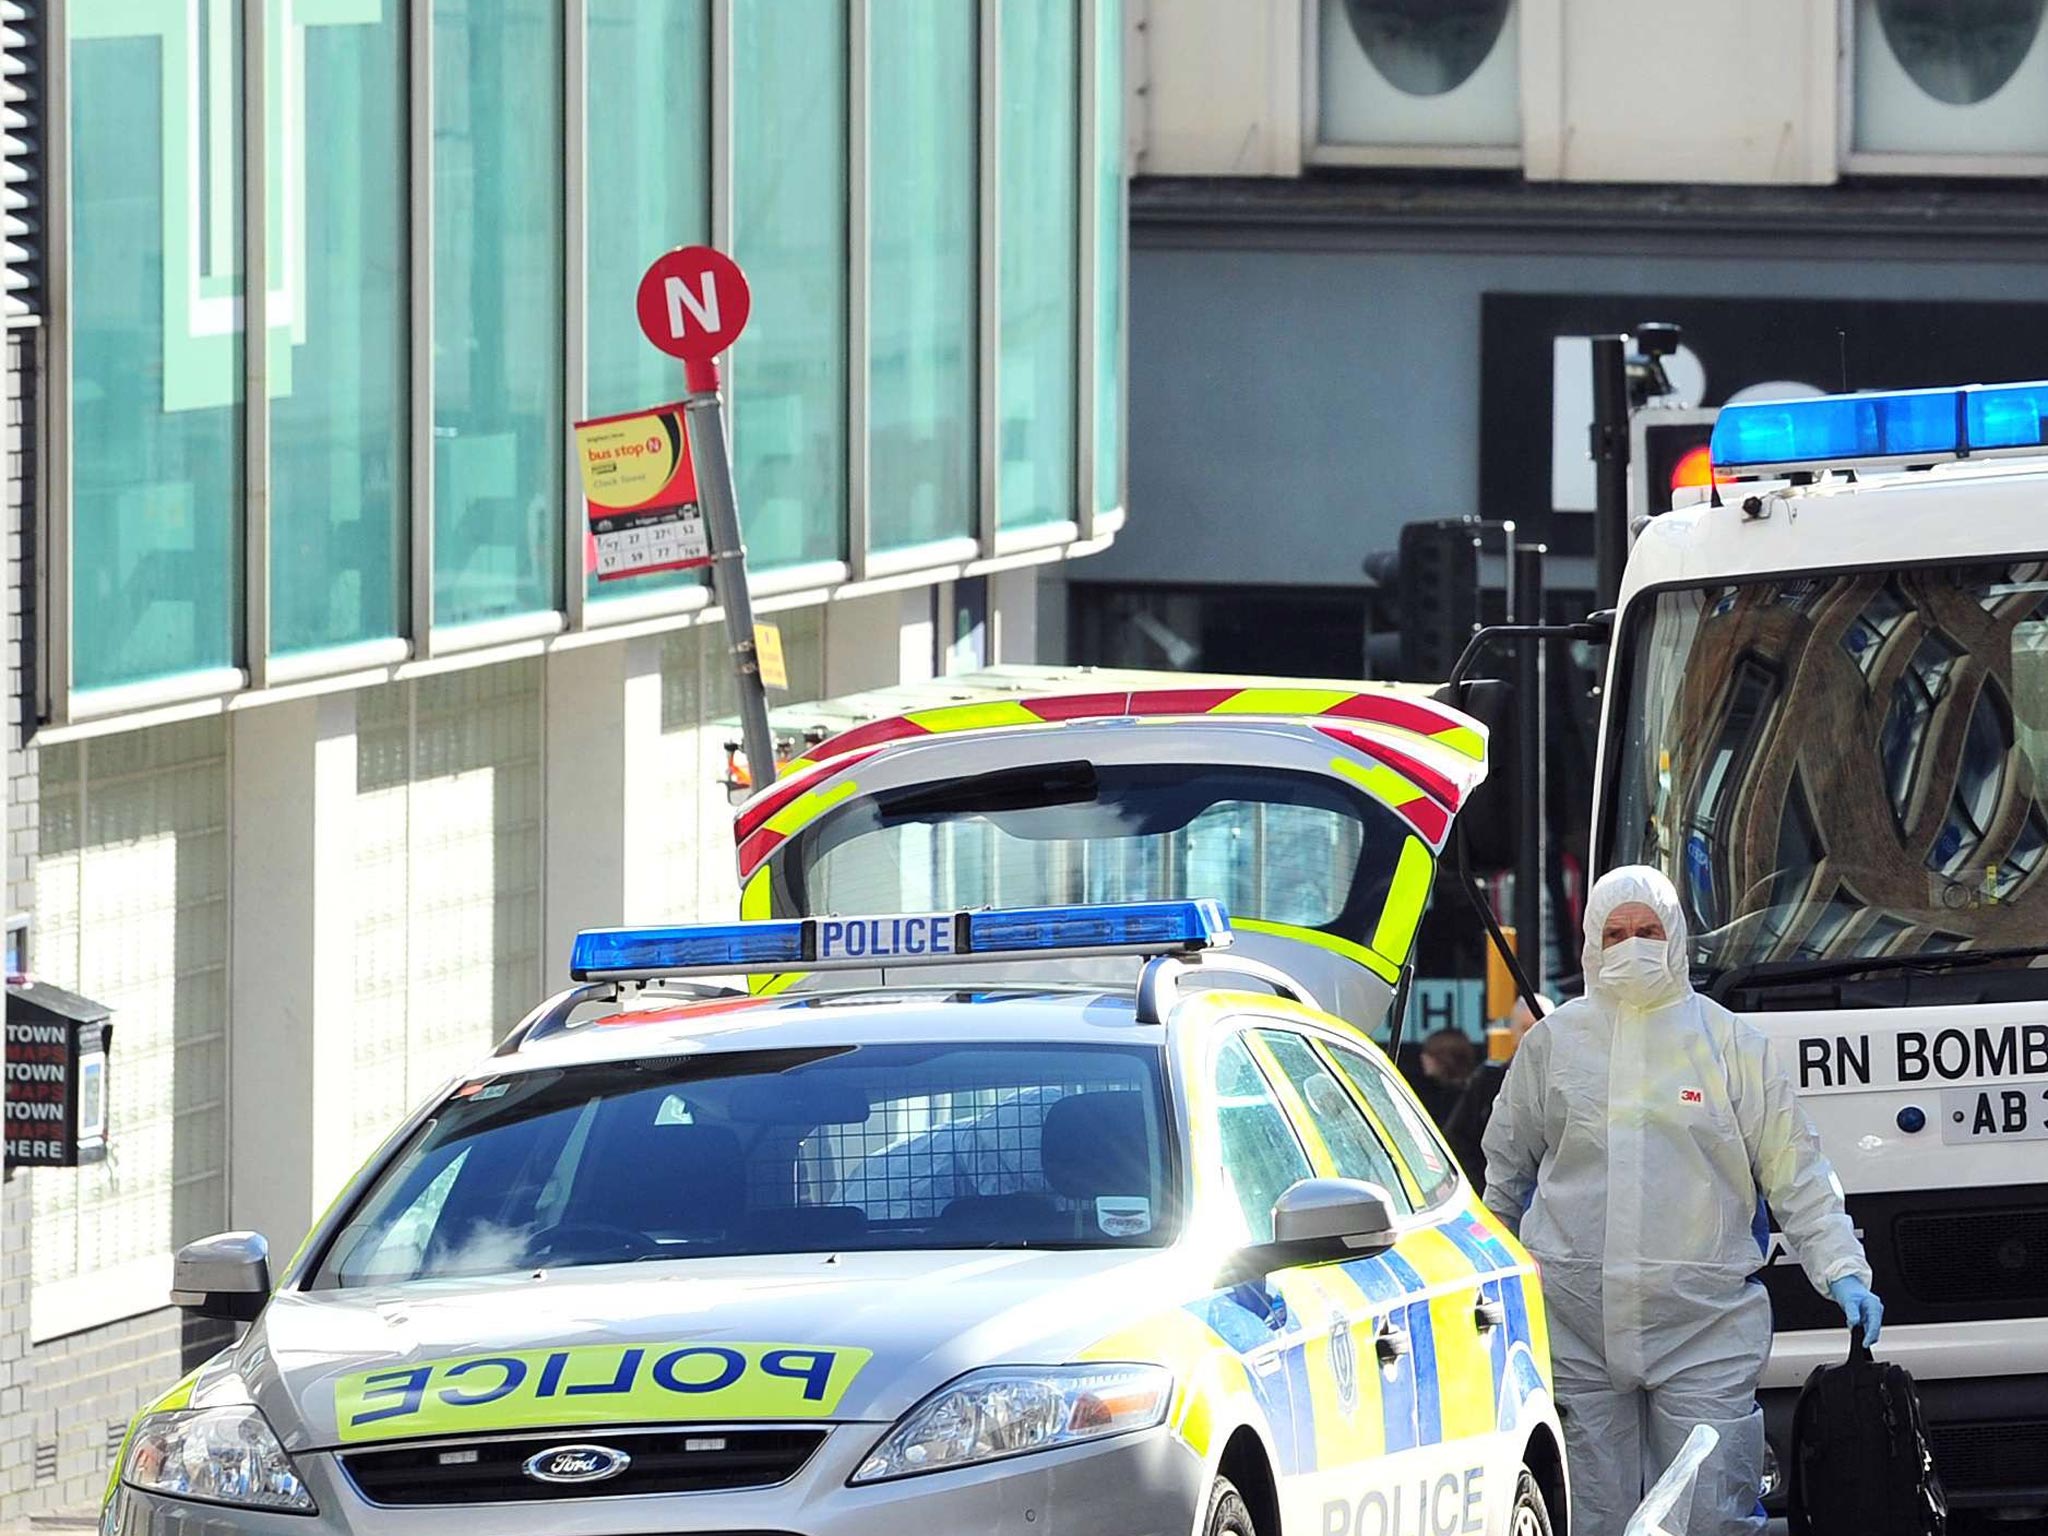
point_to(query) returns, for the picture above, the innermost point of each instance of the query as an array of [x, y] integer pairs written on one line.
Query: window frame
[[1314, 151], [1888, 162]]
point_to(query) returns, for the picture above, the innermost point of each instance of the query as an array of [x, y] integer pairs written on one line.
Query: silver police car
[[1179, 1255]]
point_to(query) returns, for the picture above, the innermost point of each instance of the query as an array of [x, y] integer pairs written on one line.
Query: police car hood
[[852, 1336]]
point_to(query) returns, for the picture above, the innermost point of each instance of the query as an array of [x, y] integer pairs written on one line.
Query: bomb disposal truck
[[1827, 722]]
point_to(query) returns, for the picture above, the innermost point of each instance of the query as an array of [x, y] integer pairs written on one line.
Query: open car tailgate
[[1315, 814]]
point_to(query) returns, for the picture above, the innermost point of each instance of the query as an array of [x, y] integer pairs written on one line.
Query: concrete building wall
[[1784, 92], [1296, 397]]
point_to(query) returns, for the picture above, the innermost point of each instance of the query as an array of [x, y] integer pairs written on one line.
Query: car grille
[[1986, 1457], [695, 1460], [1996, 1255]]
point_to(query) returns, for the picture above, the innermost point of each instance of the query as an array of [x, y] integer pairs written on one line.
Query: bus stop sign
[[693, 304]]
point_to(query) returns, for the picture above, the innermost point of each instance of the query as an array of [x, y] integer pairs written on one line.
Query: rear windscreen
[[1285, 847]]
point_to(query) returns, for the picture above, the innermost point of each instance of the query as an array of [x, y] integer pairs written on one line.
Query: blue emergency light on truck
[[1894, 427]]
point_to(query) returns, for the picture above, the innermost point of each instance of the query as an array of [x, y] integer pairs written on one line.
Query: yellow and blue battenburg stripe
[[1306, 1340]]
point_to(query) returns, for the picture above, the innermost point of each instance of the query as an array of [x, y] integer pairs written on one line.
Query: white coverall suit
[[1629, 1147]]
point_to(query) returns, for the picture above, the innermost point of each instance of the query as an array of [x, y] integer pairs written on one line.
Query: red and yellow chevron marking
[[1418, 717], [1423, 796]]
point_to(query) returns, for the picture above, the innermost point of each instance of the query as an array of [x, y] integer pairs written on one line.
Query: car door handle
[[1392, 1343], [1489, 1314]]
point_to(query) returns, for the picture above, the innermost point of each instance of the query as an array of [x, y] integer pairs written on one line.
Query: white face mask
[[1634, 969]]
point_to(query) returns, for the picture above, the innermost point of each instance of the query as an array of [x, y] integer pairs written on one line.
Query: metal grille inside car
[[1989, 1255], [694, 1460]]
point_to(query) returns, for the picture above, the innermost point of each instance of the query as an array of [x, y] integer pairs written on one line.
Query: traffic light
[[1669, 455], [1439, 595]]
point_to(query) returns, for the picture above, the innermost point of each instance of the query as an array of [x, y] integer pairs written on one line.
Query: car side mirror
[[226, 1276], [1345, 1217]]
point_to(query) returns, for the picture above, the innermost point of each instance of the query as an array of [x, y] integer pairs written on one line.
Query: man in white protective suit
[[1638, 1129]]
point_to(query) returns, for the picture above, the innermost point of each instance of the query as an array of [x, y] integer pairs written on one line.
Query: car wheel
[[1532, 1515], [1229, 1517]]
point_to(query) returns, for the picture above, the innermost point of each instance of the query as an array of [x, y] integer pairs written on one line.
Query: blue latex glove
[[1859, 1305]]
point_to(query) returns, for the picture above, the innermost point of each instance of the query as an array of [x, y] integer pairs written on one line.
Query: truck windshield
[[832, 1149], [1287, 847], [1842, 765]]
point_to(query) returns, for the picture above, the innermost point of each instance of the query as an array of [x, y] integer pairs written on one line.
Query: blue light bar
[[724, 948], [1900, 426], [1168, 925], [2006, 415], [912, 938]]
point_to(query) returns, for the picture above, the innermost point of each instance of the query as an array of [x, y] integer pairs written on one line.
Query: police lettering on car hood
[[854, 1336]]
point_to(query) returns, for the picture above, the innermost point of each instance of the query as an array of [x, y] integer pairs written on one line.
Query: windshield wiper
[[1772, 973]]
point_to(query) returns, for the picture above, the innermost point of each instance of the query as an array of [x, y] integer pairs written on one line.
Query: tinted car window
[[1260, 1155], [1354, 1148], [1417, 1144], [1281, 845], [758, 1152]]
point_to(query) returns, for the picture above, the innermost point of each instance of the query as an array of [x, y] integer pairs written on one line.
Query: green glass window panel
[[1040, 243], [789, 234], [339, 486], [922, 257], [499, 415], [650, 131], [157, 365], [1110, 223]]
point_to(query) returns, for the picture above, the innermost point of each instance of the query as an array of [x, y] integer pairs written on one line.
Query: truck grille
[[696, 1460], [1965, 1255], [1987, 1457], [1994, 1255]]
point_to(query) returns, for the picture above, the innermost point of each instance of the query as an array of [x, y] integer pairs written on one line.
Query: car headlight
[[220, 1455], [1013, 1410]]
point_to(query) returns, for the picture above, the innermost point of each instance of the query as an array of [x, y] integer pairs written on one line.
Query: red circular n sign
[[693, 303]]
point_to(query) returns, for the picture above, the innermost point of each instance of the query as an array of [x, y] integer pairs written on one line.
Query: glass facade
[[923, 250], [157, 365], [789, 235], [1040, 217], [499, 414], [337, 311], [158, 501], [650, 130]]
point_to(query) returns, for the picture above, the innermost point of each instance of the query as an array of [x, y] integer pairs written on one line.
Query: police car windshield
[[1844, 766], [1286, 847], [769, 1152]]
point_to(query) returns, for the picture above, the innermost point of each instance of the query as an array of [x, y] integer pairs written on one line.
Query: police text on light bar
[[1905, 426], [908, 938]]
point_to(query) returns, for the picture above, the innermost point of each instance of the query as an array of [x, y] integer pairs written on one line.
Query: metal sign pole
[[1529, 712], [693, 304], [704, 417]]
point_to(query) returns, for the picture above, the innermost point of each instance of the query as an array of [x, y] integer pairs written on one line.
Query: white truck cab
[[1827, 721]]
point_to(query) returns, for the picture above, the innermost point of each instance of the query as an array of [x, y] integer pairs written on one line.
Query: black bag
[[1860, 1465]]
